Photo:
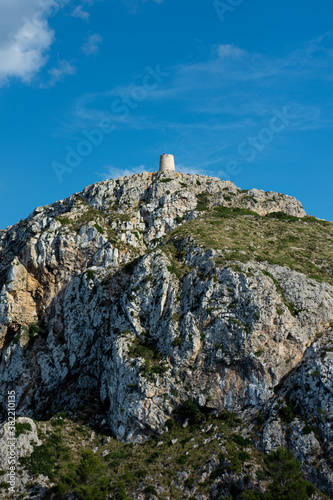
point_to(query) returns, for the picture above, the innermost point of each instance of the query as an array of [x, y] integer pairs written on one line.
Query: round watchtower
[[167, 163]]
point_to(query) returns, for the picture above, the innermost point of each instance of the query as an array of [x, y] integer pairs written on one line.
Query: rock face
[[301, 417], [100, 310], [25, 443]]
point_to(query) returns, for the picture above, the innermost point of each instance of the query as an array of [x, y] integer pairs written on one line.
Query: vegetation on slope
[[91, 465], [304, 245]]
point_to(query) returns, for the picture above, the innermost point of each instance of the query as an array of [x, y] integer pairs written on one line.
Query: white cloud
[[91, 45], [230, 51], [135, 5], [81, 14], [58, 73], [25, 37], [190, 169], [112, 172]]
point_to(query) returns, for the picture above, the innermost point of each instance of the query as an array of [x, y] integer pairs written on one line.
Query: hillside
[[168, 334]]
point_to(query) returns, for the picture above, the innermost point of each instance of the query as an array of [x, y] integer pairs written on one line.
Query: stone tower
[[167, 163]]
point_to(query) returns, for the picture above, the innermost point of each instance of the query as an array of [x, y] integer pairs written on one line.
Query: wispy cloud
[[112, 172], [231, 90], [231, 51], [191, 169], [135, 5], [209, 107], [59, 72], [80, 13], [91, 44]]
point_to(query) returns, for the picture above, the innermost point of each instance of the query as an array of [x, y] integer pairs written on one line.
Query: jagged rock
[[273, 436], [117, 324], [24, 443], [13, 448]]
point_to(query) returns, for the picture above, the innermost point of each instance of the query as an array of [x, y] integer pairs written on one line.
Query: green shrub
[[88, 480], [150, 490], [202, 202], [176, 342], [44, 457], [287, 478], [240, 440], [182, 459], [99, 229], [121, 492], [259, 353], [281, 216], [130, 266], [20, 428], [260, 420], [153, 457], [287, 414], [244, 456], [33, 330], [189, 483], [16, 339], [262, 474], [116, 455], [170, 423], [216, 473], [229, 418], [234, 462], [251, 495], [190, 411], [58, 422], [90, 274], [308, 429]]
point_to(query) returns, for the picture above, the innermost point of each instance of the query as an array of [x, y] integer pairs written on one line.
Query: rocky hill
[[178, 327]]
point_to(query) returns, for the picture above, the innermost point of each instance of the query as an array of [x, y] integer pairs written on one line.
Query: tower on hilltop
[[167, 163]]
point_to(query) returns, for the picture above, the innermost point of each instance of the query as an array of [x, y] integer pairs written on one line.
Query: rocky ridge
[[116, 307]]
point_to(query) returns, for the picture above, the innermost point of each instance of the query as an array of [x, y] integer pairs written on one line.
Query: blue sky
[[94, 89]]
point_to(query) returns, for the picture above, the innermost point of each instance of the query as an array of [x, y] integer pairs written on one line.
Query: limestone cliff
[[124, 301]]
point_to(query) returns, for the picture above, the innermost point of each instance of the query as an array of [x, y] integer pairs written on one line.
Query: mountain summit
[[165, 299]]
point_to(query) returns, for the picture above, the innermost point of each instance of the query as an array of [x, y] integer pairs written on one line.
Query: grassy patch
[[303, 245], [63, 220]]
